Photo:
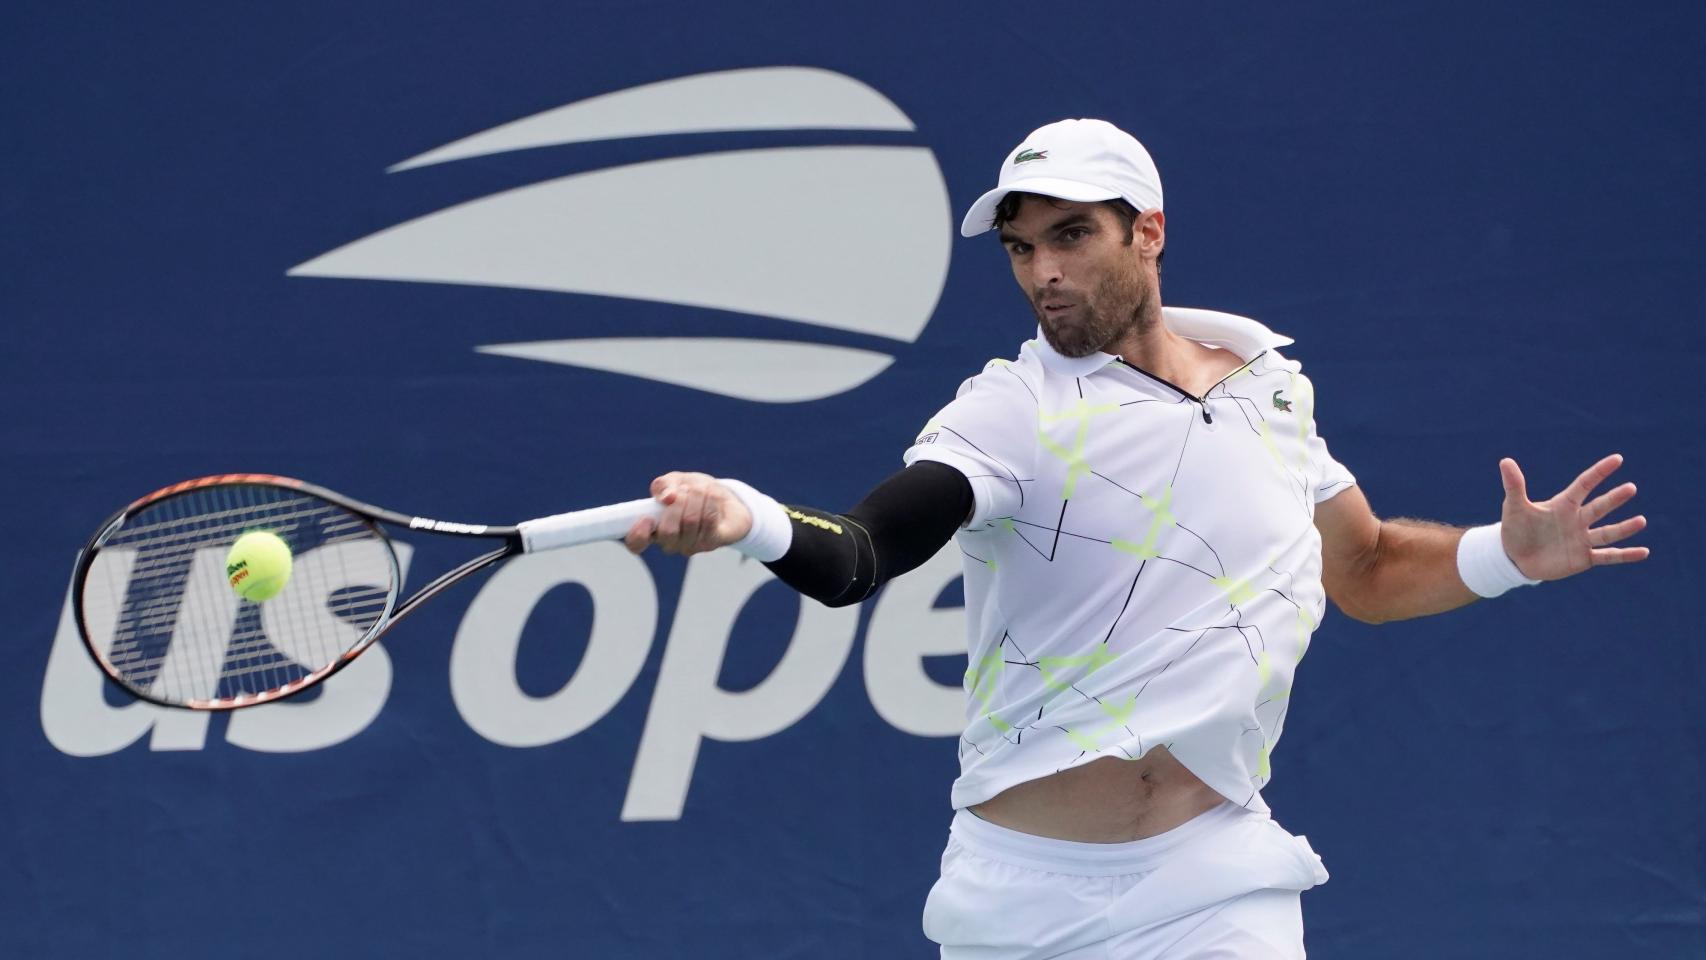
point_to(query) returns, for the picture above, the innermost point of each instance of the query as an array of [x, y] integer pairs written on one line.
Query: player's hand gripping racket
[[178, 613]]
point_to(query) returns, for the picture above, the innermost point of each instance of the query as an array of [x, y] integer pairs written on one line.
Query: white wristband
[[1484, 565], [771, 534]]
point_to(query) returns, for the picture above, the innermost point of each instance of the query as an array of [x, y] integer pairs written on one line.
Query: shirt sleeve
[[989, 434], [1335, 476], [1332, 477]]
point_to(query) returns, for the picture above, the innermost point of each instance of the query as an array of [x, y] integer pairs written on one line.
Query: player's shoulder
[[990, 425], [1006, 382]]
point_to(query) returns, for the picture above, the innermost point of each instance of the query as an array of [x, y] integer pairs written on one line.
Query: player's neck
[[1160, 352]]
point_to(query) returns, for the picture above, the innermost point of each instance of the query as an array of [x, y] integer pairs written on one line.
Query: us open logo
[[830, 238], [852, 238]]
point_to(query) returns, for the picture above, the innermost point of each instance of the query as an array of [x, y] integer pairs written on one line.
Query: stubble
[[1120, 305]]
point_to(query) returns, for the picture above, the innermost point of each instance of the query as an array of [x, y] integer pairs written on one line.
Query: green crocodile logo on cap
[[1027, 155], [1280, 403]]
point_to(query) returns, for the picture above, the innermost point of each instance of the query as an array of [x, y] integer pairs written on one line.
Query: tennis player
[[1151, 526]]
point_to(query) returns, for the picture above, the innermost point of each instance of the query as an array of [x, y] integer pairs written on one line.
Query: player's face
[[1087, 285]]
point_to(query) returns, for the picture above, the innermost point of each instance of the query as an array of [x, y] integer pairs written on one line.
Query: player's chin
[[1070, 340]]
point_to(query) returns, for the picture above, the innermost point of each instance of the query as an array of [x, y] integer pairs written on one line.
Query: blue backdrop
[[405, 251]]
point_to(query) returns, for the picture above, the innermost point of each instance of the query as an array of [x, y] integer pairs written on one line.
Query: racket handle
[[584, 526]]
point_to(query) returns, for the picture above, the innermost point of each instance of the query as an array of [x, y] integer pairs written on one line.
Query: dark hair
[[1008, 208]]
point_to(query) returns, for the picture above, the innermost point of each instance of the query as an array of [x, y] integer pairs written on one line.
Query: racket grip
[[584, 526]]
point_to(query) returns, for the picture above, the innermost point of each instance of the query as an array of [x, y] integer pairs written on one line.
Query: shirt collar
[[1241, 335]]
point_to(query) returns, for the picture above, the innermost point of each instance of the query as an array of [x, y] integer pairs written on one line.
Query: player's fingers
[[669, 520], [1516, 487], [1610, 555], [1592, 477], [692, 507], [1596, 509], [639, 535], [1613, 532], [692, 515], [710, 533]]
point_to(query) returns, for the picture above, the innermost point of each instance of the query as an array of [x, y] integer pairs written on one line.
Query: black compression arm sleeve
[[840, 559]]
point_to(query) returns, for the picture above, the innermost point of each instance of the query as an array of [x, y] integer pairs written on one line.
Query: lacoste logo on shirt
[[1027, 155], [1281, 403]]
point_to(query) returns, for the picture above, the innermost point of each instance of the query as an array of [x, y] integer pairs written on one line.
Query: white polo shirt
[[1141, 566]]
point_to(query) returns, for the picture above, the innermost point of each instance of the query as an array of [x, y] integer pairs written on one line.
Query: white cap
[[1082, 160]]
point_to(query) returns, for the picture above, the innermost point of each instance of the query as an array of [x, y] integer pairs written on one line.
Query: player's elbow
[[1351, 573], [1354, 603], [1361, 614]]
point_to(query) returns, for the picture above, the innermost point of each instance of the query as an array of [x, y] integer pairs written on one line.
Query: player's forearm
[[840, 559], [1412, 572]]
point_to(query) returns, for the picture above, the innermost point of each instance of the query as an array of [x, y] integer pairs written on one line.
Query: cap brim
[[981, 217]]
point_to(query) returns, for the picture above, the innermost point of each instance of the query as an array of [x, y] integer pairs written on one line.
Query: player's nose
[[1045, 270]]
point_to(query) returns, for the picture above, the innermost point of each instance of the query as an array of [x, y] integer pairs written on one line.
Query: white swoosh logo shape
[[760, 98], [768, 371], [852, 238]]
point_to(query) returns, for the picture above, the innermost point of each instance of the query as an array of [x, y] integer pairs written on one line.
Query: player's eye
[[1074, 234], [1018, 249]]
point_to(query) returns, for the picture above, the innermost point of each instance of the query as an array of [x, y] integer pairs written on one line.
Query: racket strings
[[249, 645], [162, 615], [234, 522]]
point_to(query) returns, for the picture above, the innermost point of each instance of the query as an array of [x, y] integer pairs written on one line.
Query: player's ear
[[1150, 234]]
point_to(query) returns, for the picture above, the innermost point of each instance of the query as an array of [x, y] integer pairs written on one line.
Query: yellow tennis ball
[[258, 565]]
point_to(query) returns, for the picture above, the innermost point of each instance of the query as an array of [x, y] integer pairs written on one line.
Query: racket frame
[[370, 516]]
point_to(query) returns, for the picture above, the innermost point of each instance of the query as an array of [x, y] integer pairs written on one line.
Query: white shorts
[[1223, 886]]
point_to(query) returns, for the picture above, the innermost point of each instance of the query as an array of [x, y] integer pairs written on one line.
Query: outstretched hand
[[1557, 538]]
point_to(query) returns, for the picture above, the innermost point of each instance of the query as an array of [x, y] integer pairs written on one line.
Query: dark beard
[[1119, 304]]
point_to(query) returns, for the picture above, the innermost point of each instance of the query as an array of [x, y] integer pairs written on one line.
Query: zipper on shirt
[[1202, 401]]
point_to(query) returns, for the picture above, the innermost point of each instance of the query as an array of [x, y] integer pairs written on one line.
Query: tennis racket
[[157, 612]]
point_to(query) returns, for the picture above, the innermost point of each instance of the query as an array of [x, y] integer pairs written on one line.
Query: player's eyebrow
[[1070, 220]]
